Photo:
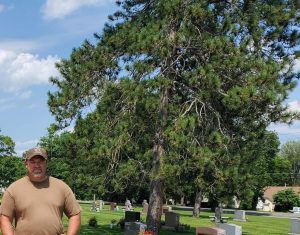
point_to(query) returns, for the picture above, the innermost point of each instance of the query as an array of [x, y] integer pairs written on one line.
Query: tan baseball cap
[[37, 151]]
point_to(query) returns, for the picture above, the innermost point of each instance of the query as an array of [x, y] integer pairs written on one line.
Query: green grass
[[255, 225]]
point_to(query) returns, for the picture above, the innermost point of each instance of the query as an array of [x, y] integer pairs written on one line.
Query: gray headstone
[[166, 209], [231, 229], [218, 213], [240, 215], [113, 205], [295, 226], [128, 206], [172, 219], [94, 206], [134, 228], [101, 204], [145, 207]]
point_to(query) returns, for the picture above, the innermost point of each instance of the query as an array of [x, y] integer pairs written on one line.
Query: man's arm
[[6, 225], [73, 224]]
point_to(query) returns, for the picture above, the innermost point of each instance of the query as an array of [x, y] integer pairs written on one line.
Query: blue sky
[[33, 36]]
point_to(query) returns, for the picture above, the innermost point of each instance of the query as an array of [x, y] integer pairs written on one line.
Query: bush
[[93, 222], [285, 200], [121, 223]]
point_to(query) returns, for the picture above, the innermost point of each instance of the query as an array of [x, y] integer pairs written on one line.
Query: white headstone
[[128, 206], [295, 227], [240, 215], [231, 229], [101, 205], [145, 207]]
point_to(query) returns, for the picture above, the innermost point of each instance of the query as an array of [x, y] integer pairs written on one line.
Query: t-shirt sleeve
[[7, 205], [71, 205]]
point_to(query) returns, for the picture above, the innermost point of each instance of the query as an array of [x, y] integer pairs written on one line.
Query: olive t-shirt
[[38, 207]]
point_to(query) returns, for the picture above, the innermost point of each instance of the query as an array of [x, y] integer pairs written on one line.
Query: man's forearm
[[74, 224], [6, 227]]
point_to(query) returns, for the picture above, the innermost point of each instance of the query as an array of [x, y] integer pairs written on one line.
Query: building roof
[[270, 191]]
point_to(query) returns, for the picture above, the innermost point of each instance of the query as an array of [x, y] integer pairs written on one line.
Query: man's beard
[[37, 173]]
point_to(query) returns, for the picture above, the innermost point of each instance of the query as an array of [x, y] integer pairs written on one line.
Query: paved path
[[285, 215], [248, 212]]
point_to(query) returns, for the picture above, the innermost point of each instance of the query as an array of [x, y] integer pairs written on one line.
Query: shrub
[[93, 222], [285, 200], [113, 221], [121, 223]]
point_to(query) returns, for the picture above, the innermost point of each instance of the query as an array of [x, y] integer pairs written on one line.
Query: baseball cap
[[37, 151]]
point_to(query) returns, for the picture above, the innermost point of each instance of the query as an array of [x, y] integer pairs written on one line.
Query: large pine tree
[[220, 68]]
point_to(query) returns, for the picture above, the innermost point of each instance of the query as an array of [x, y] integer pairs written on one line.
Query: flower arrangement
[[147, 232]]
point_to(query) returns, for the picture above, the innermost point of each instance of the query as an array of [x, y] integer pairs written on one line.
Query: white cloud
[[67, 129], [285, 129], [286, 132], [20, 71], [57, 9], [297, 65], [294, 105]]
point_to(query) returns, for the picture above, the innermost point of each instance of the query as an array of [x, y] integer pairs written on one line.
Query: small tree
[[286, 199]]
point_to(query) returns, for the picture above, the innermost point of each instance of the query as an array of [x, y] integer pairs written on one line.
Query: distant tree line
[[88, 175]]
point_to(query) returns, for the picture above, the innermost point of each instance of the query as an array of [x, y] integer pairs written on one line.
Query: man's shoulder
[[19, 181], [17, 184], [55, 180]]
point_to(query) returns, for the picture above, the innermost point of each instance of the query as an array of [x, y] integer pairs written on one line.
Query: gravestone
[[240, 215], [166, 209], [172, 201], [132, 216], [210, 231], [231, 229], [101, 204], [218, 213], [145, 207], [128, 206], [94, 206], [113, 205], [295, 227], [134, 228], [295, 210], [172, 219]]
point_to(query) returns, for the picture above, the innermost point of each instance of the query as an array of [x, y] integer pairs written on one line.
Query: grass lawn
[[255, 225]]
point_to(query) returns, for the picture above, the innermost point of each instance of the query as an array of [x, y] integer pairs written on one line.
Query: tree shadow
[[191, 216], [100, 229]]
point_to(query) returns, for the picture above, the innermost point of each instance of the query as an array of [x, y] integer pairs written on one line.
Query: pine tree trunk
[[155, 205], [157, 183], [197, 205]]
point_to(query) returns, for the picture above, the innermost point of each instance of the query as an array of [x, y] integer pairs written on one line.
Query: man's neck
[[37, 179]]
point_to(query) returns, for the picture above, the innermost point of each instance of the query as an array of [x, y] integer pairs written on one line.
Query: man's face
[[36, 168]]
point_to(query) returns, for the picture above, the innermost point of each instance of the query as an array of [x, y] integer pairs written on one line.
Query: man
[[37, 202]]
